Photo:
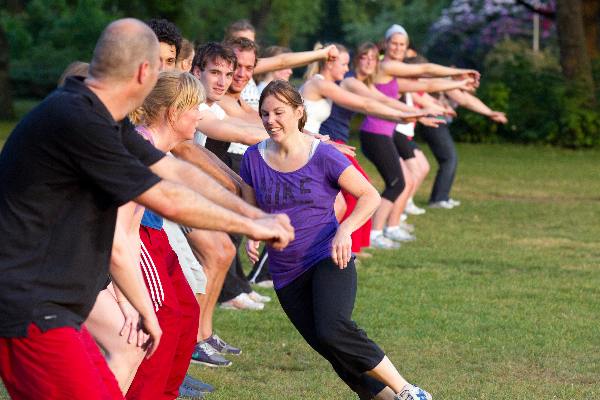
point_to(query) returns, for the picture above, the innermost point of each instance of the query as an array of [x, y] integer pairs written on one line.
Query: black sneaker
[[198, 384], [221, 346], [205, 354]]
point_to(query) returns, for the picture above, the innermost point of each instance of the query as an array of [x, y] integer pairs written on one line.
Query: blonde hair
[[174, 92], [315, 67], [76, 68]]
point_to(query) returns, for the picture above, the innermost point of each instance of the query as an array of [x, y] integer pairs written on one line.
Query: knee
[[393, 189], [331, 333], [226, 254]]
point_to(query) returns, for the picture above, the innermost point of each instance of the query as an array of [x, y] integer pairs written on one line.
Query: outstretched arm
[[293, 60], [473, 103], [354, 102], [434, 85], [210, 164], [403, 70]]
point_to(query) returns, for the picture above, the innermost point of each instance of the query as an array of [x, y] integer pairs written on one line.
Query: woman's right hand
[[252, 249], [332, 52]]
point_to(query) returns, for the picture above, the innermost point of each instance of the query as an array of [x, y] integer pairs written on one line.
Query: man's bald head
[[122, 47]]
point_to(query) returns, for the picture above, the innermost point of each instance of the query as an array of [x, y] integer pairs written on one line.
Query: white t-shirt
[[250, 94], [407, 129], [199, 137]]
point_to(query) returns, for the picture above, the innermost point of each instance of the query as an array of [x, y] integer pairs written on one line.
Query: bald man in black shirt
[[64, 171]]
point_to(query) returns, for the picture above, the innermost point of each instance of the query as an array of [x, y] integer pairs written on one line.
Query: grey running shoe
[[189, 393], [455, 203], [398, 234], [222, 346], [441, 204], [197, 384], [205, 354], [411, 392], [381, 242]]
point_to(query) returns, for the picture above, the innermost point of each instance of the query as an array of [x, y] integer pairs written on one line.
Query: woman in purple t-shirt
[[315, 277]]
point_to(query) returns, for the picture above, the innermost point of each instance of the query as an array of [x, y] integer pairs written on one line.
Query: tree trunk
[[574, 59], [6, 105], [591, 26]]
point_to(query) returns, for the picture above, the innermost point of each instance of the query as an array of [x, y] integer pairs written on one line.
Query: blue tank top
[[337, 126]]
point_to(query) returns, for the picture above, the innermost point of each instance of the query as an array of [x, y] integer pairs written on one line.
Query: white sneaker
[[403, 217], [441, 204], [398, 234], [410, 228], [259, 298], [381, 242], [242, 302], [268, 284], [413, 209], [411, 392], [455, 203]]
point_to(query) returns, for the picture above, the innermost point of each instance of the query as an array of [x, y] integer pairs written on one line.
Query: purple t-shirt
[[306, 196]]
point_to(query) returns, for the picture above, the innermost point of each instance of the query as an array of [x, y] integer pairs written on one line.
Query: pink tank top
[[380, 126]]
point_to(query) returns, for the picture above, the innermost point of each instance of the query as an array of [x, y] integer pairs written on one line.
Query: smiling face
[[367, 62], [216, 78], [396, 46], [279, 119], [244, 71]]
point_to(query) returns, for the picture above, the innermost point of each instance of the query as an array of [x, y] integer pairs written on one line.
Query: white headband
[[392, 30]]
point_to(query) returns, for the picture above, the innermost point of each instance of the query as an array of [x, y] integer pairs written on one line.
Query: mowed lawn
[[497, 299]]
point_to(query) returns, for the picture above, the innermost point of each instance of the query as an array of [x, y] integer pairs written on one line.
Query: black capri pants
[[381, 151], [319, 303]]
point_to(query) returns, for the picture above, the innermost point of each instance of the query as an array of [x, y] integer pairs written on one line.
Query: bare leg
[[382, 214], [419, 168], [387, 373], [215, 252], [104, 324], [400, 203]]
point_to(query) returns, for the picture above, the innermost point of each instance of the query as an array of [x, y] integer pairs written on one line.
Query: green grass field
[[497, 299]]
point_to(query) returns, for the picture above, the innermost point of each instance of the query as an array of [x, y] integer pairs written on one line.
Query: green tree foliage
[[541, 105], [47, 36], [368, 19]]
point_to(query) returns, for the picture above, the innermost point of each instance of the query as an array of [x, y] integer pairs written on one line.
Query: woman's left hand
[[341, 248]]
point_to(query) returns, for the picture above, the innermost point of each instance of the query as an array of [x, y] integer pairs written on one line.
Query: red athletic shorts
[[61, 363]]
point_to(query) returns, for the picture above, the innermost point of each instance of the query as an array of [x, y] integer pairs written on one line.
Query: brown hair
[[286, 93], [237, 26], [187, 48], [243, 44], [76, 68], [361, 50], [173, 91], [211, 51], [317, 66]]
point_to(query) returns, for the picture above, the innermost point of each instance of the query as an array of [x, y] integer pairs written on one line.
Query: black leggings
[[381, 151], [319, 303]]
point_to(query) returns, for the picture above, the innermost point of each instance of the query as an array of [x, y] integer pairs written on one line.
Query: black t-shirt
[[64, 171]]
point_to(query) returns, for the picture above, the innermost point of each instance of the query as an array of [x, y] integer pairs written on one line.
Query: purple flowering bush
[[468, 29]]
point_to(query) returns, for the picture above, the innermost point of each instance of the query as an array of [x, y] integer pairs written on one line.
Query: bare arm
[[473, 103], [126, 276], [354, 102], [357, 87], [186, 174], [403, 70], [240, 110], [230, 131], [180, 204], [209, 163], [293, 60], [368, 200], [433, 85]]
